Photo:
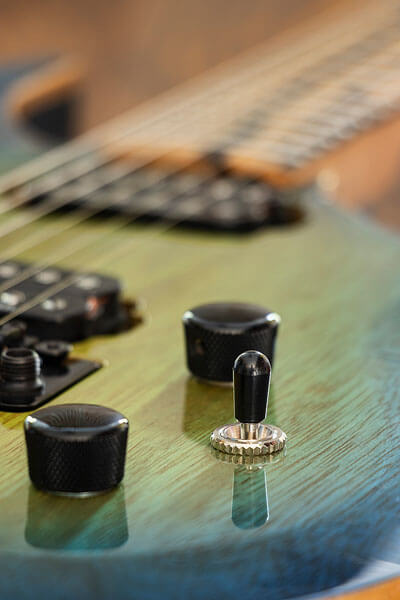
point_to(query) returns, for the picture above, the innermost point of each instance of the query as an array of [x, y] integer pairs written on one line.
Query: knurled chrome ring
[[227, 439], [251, 462]]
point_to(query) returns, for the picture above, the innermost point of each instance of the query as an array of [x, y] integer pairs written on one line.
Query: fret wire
[[300, 131], [46, 210], [70, 149], [11, 317], [236, 140], [38, 268], [97, 163], [76, 277]]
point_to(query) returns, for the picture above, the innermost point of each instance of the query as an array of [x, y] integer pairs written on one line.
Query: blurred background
[[131, 50], [123, 52]]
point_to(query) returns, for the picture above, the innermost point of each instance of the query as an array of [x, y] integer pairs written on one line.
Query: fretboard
[[287, 107], [284, 103]]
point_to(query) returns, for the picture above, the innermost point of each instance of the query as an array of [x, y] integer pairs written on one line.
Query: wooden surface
[[333, 498], [387, 591], [134, 50], [168, 42]]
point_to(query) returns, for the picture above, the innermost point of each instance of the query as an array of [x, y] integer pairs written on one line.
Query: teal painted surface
[[333, 498], [187, 524]]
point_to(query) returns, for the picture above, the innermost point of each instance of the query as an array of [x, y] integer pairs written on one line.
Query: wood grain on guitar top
[[332, 498], [157, 48], [175, 529]]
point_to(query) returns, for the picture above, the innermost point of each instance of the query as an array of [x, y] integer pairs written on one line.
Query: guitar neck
[[274, 111], [281, 107]]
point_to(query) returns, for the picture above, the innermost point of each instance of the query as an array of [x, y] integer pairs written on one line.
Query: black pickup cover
[[220, 202], [88, 306]]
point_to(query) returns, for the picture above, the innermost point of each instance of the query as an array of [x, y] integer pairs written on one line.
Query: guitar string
[[352, 32], [41, 213], [312, 133], [84, 150], [66, 151], [52, 206], [44, 211], [81, 215], [51, 293], [76, 277], [82, 244], [36, 269]]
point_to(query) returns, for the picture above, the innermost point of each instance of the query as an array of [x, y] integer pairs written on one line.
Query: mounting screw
[[53, 352]]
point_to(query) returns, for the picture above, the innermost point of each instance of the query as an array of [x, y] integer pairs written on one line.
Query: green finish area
[[320, 518]]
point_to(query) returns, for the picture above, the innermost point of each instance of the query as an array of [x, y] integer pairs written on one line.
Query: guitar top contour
[[205, 195]]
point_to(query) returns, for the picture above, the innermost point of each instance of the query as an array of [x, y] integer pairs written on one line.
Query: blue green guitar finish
[[320, 519]]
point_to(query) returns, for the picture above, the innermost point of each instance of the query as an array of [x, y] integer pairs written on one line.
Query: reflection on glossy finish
[[249, 497], [250, 508], [74, 524], [333, 500]]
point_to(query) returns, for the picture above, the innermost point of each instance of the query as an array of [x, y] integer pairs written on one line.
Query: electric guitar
[[209, 193]]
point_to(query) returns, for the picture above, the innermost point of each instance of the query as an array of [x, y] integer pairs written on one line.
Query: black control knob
[[76, 448], [217, 333], [251, 377]]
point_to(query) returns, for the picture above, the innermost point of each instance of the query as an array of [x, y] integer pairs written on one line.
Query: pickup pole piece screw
[[53, 351]]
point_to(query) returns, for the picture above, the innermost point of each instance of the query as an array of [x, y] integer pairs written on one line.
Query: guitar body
[[319, 519]]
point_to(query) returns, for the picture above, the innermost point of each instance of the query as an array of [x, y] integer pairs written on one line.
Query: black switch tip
[[251, 377]]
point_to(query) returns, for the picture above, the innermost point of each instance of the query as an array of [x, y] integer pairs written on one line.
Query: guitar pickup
[[218, 202], [62, 304]]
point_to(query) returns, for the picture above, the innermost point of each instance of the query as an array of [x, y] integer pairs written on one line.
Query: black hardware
[[217, 333], [27, 382], [76, 448], [90, 304], [251, 377]]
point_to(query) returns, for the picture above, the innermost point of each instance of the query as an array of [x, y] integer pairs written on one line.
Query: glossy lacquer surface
[[186, 524]]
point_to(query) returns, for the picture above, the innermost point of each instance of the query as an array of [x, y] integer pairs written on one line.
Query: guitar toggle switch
[[249, 436]]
